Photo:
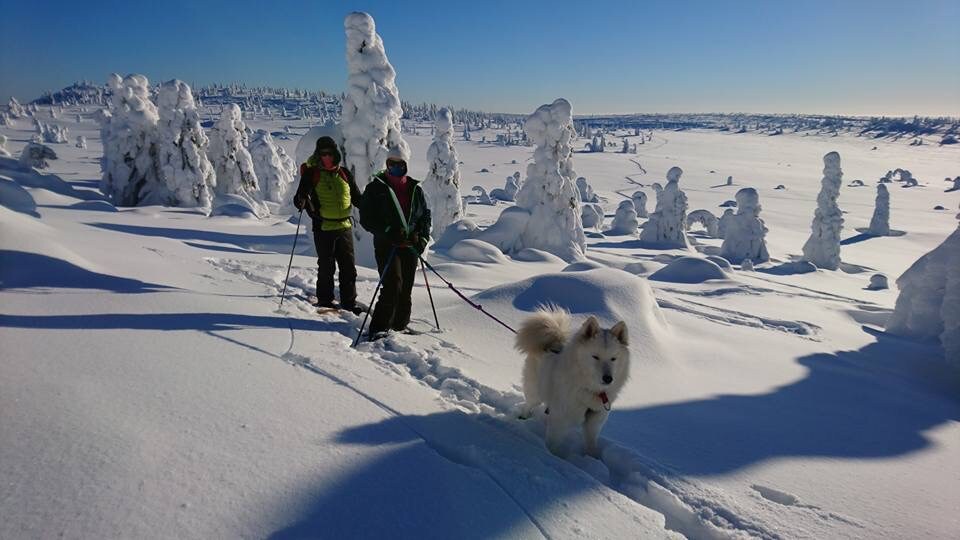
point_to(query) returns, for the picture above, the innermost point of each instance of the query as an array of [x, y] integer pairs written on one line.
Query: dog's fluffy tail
[[546, 330]]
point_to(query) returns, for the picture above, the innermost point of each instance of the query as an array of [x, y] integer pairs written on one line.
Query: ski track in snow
[[739, 318], [693, 510]]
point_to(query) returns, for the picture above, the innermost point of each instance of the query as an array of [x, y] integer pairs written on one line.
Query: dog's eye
[[595, 357], [613, 359]]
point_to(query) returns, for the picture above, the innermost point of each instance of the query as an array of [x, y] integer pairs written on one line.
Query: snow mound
[[536, 255], [928, 306], [878, 282], [455, 232], [16, 198], [791, 268], [582, 266], [689, 270], [473, 250], [233, 205], [609, 294]]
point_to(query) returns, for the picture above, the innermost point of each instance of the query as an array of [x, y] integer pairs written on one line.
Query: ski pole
[[386, 268], [430, 294], [290, 264]]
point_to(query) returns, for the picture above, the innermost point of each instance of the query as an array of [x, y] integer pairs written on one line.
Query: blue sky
[[837, 57]]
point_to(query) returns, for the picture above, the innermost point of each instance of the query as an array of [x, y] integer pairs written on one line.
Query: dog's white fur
[[565, 371]]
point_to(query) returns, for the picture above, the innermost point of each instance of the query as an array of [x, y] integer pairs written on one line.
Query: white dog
[[576, 376]]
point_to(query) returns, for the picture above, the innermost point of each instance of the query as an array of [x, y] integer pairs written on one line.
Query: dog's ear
[[619, 331], [590, 328]]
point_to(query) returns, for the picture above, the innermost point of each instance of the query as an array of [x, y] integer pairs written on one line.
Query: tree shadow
[[22, 270], [872, 403], [200, 322], [278, 243]]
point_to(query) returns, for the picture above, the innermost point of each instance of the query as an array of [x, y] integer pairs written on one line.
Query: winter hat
[[325, 143]]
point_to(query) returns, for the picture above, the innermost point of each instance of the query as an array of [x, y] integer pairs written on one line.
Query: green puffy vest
[[333, 193]]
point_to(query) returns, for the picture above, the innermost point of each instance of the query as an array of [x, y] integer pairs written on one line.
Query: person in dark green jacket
[[327, 192], [395, 211]]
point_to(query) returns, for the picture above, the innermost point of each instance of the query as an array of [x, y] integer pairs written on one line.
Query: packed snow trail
[[692, 510]]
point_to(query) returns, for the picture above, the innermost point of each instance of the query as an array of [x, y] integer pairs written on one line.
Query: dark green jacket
[[381, 215]]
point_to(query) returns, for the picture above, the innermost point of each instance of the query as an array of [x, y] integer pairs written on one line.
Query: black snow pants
[[335, 249], [394, 305]]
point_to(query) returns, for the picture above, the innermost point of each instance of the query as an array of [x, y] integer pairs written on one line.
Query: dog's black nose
[[607, 379]]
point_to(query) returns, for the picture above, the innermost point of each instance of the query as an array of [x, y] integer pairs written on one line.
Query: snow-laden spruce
[[442, 184], [667, 225], [81, 142], [51, 133], [275, 170], [745, 233], [823, 246], [625, 220], [510, 189], [880, 222], [15, 109], [36, 155], [236, 178], [549, 194], [586, 191], [591, 215], [131, 172], [182, 147], [928, 306], [640, 203], [3, 146], [371, 115], [724, 222]]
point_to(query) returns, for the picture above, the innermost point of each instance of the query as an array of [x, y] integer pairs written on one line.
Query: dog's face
[[602, 355]]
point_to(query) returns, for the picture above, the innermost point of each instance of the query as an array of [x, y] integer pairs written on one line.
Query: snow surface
[[150, 387]]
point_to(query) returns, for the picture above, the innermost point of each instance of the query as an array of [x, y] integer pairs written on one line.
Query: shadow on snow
[[21, 270]]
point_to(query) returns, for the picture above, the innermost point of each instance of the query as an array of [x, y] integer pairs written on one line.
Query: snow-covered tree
[[745, 233], [880, 222], [14, 109], [371, 108], [231, 160], [274, 173], [3, 146], [442, 184], [640, 203], [36, 155], [510, 189], [823, 246], [182, 148], [547, 215], [667, 224], [592, 216], [129, 132], [81, 142], [625, 220], [586, 191], [928, 306], [51, 133], [723, 224]]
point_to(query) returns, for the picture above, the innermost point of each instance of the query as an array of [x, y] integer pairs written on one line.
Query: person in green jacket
[[327, 192], [395, 211]]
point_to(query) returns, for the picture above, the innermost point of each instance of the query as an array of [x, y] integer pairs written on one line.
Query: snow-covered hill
[[151, 387]]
